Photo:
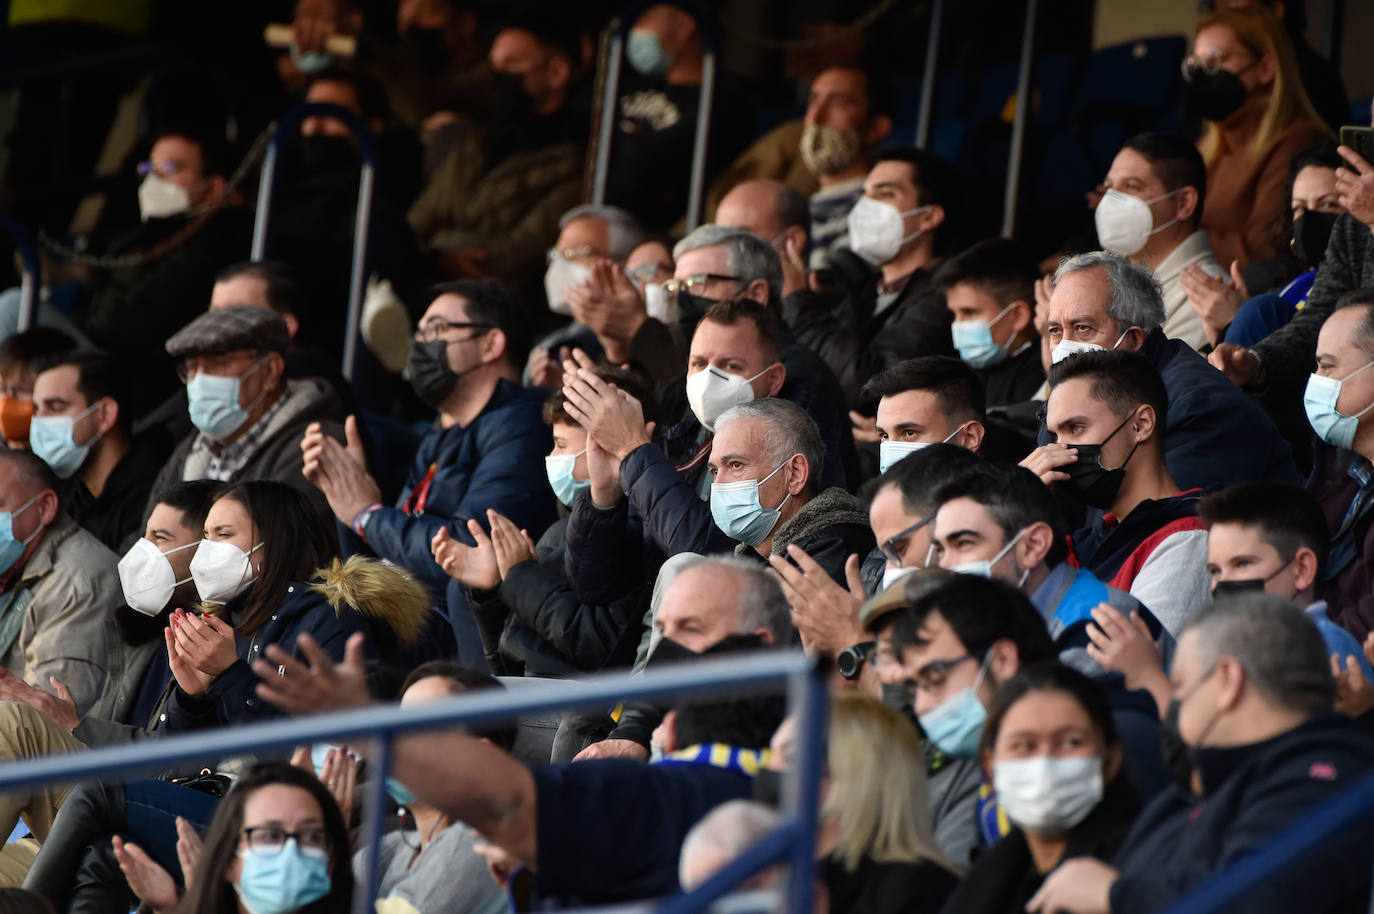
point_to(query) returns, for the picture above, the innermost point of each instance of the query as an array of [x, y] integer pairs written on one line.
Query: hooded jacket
[[829, 528], [278, 454], [363, 595]]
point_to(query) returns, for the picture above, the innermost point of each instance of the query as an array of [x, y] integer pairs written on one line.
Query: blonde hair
[[877, 799], [1261, 34]]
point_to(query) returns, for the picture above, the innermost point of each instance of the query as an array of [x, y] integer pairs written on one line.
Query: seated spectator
[[901, 225], [183, 186], [1314, 207], [735, 358], [1213, 437], [657, 113], [876, 847], [956, 638], [1243, 80], [923, 401], [587, 235], [248, 416], [156, 579], [81, 430], [629, 819], [723, 835], [1161, 176], [491, 207], [847, 117], [1339, 395], [58, 584], [21, 357], [1000, 521], [1106, 412], [769, 452], [1254, 694], [1272, 538], [776, 213], [1051, 750], [990, 291], [709, 600], [485, 452], [434, 867], [531, 619], [649, 265]]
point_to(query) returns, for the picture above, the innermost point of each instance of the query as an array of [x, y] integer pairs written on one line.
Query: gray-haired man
[[1216, 435]]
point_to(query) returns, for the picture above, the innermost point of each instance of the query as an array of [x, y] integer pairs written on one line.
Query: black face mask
[[690, 310], [1223, 589], [326, 154], [1215, 96], [508, 100], [428, 372], [1176, 758], [428, 49], [1311, 233], [1093, 483]]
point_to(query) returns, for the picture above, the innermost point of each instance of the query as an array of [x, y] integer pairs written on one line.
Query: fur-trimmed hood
[[379, 590]]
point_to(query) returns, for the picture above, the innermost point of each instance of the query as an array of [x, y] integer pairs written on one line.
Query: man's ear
[[931, 219], [758, 291], [108, 414], [276, 369], [1035, 545], [1232, 681], [879, 126], [1020, 316], [1143, 423], [215, 186], [559, 70], [971, 438], [777, 376], [494, 344], [293, 324], [1006, 659], [1306, 562], [799, 473], [1133, 339], [1185, 203], [48, 505]]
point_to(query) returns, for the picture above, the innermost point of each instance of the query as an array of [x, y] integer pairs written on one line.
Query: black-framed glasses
[[933, 675], [430, 330], [270, 839], [696, 283], [889, 547]]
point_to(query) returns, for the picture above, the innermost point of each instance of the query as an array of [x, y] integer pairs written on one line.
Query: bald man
[[777, 214], [58, 584]]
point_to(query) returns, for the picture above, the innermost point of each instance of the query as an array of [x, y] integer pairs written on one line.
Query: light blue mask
[[400, 793], [736, 509], [560, 471], [974, 341], [53, 439], [282, 882], [890, 452], [310, 62], [956, 725], [11, 548], [645, 53], [214, 403], [1319, 400]]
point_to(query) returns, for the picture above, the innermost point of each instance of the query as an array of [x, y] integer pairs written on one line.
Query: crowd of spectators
[[1084, 544]]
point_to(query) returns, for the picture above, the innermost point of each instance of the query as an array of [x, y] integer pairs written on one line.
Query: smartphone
[[1361, 140]]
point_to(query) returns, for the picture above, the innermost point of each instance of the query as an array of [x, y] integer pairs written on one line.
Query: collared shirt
[[228, 459]]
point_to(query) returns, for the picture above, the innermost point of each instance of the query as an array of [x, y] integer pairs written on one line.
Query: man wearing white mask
[[248, 418], [155, 577], [1215, 435], [81, 430], [900, 225], [1150, 212]]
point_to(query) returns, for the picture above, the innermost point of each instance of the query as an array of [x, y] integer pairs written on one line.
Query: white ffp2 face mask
[[1066, 348], [877, 229], [159, 198], [147, 577], [558, 278], [222, 570], [1048, 795], [1125, 223], [711, 392]]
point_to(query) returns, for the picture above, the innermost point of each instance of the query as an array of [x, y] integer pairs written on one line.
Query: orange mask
[[14, 418]]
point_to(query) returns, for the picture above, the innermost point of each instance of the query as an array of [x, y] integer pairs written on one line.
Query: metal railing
[[792, 843], [31, 270], [287, 126]]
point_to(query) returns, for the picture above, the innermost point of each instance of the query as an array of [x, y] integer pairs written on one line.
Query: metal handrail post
[[1018, 127], [923, 118], [374, 796], [606, 127], [807, 693], [31, 271]]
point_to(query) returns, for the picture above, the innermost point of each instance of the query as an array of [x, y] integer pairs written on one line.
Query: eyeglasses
[[647, 271], [270, 839], [933, 675], [892, 550], [695, 284], [219, 364], [429, 331], [165, 170], [1209, 63], [574, 253]]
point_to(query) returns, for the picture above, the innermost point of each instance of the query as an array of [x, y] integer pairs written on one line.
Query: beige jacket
[[66, 592], [1181, 322]]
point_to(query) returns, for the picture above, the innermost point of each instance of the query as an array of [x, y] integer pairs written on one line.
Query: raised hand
[[614, 418], [826, 614], [316, 684], [511, 544], [474, 566], [1046, 460], [152, 884]]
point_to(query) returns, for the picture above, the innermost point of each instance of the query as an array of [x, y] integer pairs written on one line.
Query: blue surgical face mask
[[983, 567], [400, 793], [214, 403], [310, 62], [53, 439], [645, 53], [889, 452], [736, 509], [1320, 399], [11, 548], [560, 471], [282, 882], [974, 341], [956, 725]]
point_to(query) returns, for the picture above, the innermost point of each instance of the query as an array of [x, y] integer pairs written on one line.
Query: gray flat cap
[[227, 329]]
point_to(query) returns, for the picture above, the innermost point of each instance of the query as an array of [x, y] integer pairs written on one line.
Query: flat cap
[[227, 329], [903, 592]]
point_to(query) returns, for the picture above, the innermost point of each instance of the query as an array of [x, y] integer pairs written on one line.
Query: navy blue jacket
[[497, 461], [231, 698], [1252, 795]]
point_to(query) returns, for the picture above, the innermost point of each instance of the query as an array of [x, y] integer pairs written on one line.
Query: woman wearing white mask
[[261, 567], [1051, 751]]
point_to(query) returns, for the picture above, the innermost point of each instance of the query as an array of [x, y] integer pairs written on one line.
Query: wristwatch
[[850, 661]]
